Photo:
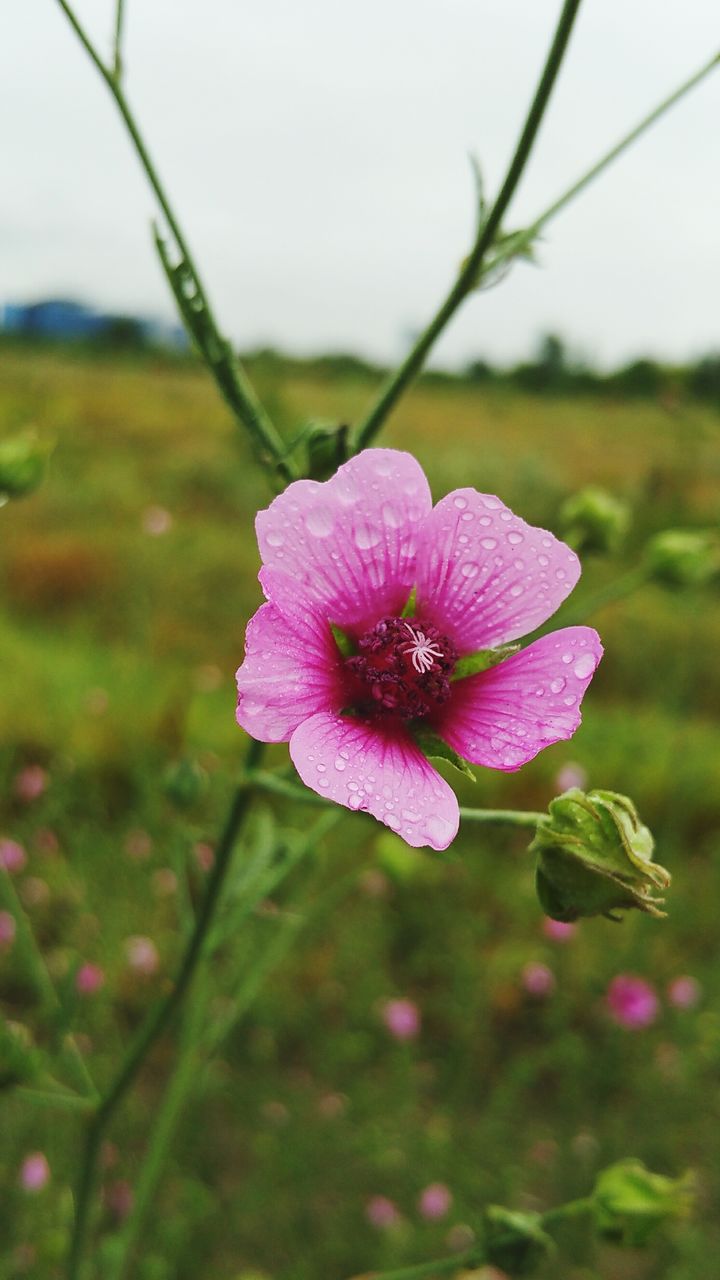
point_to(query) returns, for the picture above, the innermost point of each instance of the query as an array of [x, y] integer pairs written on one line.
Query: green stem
[[62, 1099], [525, 238], [32, 959], [158, 1018], [229, 375], [278, 786], [467, 279], [117, 41], [513, 817]]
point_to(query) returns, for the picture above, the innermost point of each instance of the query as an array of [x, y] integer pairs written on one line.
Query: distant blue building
[[68, 320]]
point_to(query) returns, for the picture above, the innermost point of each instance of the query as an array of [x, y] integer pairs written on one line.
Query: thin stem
[[277, 786], [61, 1099], [226, 369], [117, 41], [468, 276], [159, 1018], [512, 817], [526, 238]]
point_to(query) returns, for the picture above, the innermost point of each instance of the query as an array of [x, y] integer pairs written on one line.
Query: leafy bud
[[595, 520], [185, 783], [683, 557], [594, 857], [327, 448], [630, 1202], [515, 1241], [22, 465]]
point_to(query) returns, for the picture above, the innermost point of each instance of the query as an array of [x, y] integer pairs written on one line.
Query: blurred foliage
[[127, 579]]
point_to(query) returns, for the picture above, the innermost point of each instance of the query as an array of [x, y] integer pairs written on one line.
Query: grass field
[[127, 580]]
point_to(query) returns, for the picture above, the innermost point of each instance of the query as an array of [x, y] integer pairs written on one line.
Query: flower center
[[402, 669]]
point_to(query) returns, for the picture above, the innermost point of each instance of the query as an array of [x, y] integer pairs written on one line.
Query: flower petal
[[504, 716], [349, 544], [291, 670], [378, 770], [484, 576]]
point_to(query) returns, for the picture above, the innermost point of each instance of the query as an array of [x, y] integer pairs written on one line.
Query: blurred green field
[[126, 584]]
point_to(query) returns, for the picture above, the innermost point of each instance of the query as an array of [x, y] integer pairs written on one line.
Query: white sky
[[316, 151]]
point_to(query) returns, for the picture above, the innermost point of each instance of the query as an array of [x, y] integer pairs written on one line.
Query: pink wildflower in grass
[[570, 775], [7, 930], [381, 1213], [34, 1173], [12, 855], [632, 1002], [89, 979], [557, 931], [684, 992], [142, 955], [30, 783], [434, 1202], [538, 980], [349, 552], [402, 1019]]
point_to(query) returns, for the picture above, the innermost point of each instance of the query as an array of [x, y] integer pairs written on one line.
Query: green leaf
[[631, 1203], [482, 660], [345, 644], [409, 609], [435, 749]]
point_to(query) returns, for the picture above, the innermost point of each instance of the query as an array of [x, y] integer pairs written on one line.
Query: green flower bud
[[594, 520], [185, 783], [630, 1202], [23, 460], [683, 557], [327, 448], [594, 857], [515, 1241]]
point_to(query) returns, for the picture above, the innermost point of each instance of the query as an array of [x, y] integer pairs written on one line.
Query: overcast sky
[[316, 152]]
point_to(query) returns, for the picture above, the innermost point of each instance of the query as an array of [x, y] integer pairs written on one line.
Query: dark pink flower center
[[402, 669]]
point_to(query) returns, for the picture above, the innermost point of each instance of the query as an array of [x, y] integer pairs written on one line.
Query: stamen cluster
[[403, 669]]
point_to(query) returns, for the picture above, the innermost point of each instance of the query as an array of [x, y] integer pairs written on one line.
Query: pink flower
[[538, 980], [381, 1213], [571, 775], [34, 1172], [435, 1201], [30, 783], [349, 553], [402, 1019], [7, 930], [156, 521], [142, 955], [12, 855], [684, 992], [89, 979], [556, 931], [632, 1001]]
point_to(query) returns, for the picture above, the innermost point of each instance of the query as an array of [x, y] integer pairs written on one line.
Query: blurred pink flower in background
[[381, 1213], [7, 930], [557, 931], [538, 980], [118, 1198], [348, 553], [156, 521], [684, 992], [142, 955], [30, 783], [165, 882], [89, 979], [632, 1002], [435, 1201], [204, 855], [34, 1172], [12, 855], [402, 1019], [570, 775]]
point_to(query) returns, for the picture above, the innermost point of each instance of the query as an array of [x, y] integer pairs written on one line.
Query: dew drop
[[438, 829], [488, 543], [485, 520], [467, 515], [567, 659], [469, 569], [570, 700], [391, 516], [323, 782], [463, 539], [584, 666], [392, 821], [354, 801], [516, 589], [515, 538], [460, 503], [340, 764], [365, 537], [558, 685], [560, 574], [490, 502], [321, 768], [383, 467], [543, 560], [410, 815], [275, 540], [319, 522]]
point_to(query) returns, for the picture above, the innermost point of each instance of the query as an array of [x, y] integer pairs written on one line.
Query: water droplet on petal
[[488, 543], [460, 503], [354, 801], [515, 538], [567, 658], [275, 540], [391, 516], [469, 569], [319, 522], [516, 589], [584, 666], [365, 537], [340, 764], [438, 830], [570, 700], [392, 821], [543, 560], [558, 685]]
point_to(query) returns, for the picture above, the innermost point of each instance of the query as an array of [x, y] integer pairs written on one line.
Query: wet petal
[[349, 543], [291, 670], [485, 576], [503, 717], [377, 770]]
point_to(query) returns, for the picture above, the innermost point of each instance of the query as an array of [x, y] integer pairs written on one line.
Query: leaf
[[435, 749], [482, 660], [345, 644], [410, 604]]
